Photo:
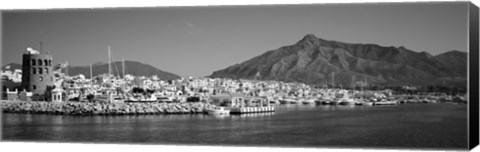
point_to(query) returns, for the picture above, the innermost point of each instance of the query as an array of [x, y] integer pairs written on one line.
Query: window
[[46, 70], [39, 62], [49, 62], [34, 87], [40, 71], [40, 78], [34, 71], [46, 62], [33, 61]]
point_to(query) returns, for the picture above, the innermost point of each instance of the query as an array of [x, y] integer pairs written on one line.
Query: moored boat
[[347, 101], [308, 101], [218, 111], [289, 101], [384, 102]]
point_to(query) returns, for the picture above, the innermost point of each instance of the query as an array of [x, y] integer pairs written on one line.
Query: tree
[[48, 93]]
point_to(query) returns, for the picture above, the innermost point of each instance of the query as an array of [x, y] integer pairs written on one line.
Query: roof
[[57, 90]]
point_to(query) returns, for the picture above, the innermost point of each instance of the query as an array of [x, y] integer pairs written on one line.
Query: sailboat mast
[[109, 67], [333, 79], [91, 77], [353, 81], [109, 70], [123, 67], [66, 68]]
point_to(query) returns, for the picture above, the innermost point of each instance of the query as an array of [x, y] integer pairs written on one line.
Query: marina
[[282, 76]]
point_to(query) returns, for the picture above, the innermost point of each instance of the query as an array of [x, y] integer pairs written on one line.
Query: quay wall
[[87, 108]]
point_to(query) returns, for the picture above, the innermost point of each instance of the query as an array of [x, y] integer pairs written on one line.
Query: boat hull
[[218, 112]]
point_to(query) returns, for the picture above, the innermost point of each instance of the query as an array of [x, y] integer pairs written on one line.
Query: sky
[[195, 41]]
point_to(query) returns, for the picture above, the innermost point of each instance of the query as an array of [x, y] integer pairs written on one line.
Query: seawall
[[85, 108]]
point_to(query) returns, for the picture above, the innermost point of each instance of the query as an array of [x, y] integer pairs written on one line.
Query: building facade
[[37, 71]]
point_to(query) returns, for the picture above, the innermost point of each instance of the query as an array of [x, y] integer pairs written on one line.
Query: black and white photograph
[[386, 75]]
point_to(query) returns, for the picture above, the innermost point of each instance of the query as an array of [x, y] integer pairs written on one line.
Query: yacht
[[218, 111]]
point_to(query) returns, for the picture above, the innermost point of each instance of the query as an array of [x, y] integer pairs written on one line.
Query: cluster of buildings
[[39, 80]]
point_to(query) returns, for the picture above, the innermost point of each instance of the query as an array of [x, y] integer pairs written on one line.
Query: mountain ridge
[[312, 60], [132, 67]]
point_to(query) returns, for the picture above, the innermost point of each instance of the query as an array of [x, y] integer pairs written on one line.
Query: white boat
[[308, 101], [347, 101], [274, 102], [368, 103], [218, 111], [289, 101], [364, 103], [294, 101], [283, 101], [386, 103]]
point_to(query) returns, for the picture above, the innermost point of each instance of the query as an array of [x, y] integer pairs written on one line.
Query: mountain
[[131, 67], [314, 60], [11, 67]]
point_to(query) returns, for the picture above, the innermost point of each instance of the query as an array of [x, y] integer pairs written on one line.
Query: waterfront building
[[25, 96], [37, 71], [57, 95], [230, 100], [11, 79], [12, 95]]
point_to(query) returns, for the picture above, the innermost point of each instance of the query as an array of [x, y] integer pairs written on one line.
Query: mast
[[109, 62], [109, 70], [123, 67], [123, 75], [333, 79], [353, 81], [66, 68], [91, 77], [41, 47]]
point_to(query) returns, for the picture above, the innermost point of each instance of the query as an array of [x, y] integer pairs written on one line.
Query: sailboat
[[108, 94]]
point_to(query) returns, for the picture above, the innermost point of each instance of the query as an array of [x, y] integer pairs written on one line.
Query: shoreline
[[92, 109]]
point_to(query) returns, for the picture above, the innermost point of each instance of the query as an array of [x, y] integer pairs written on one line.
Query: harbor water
[[430, 126]]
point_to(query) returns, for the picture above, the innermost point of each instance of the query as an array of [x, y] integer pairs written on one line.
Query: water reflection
[[294, 107], [297, 107]]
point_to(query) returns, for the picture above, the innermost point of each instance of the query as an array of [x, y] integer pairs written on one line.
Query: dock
[[243, 110]]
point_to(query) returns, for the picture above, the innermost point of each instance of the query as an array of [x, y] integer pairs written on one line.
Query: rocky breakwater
[[85, 108]]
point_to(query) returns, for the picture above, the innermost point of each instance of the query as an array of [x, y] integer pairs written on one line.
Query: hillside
[[131, 67], [314, 60]]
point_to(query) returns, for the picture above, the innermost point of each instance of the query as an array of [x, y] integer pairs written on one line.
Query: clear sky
[[199, 40]]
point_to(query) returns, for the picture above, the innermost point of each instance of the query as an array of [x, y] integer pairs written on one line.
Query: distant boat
[[361, 102], [385, 102], [289, 101], [326, 102], [274, 102], [346, 101], [323, 101], [335, 101], [294, 101], [218, 111], [308, 101]]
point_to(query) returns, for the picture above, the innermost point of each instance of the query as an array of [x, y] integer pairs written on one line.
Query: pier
[[240, 110], [88, 108]]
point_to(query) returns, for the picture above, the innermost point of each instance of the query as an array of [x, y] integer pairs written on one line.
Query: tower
[[37, 71]]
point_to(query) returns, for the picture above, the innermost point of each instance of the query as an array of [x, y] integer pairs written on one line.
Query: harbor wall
[[87, 108]]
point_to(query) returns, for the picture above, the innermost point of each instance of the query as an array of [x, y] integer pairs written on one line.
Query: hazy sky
[[199, 40]]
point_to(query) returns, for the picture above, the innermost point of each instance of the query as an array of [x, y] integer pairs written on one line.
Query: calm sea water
[[432, 126]]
